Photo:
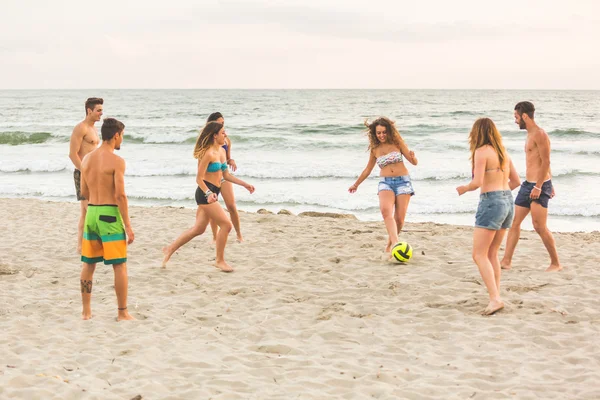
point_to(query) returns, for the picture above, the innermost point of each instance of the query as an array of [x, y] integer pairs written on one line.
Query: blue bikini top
[[216, 166]]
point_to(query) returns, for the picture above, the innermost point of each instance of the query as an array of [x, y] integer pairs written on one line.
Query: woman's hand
[[413, 157], [211, 198], [232, 165], [250, 188], [353, 188], [462, 190]]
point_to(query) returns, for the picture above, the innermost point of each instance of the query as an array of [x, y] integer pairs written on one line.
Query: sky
[[425, 44]]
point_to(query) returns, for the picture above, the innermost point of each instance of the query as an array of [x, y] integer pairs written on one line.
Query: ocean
[[302, 149]]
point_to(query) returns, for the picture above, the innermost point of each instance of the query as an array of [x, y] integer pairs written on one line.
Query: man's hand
[[130, 234], [462, 190], [535, 193]]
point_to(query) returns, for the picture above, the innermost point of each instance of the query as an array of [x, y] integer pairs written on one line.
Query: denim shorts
[[523, 197], [397, 184], [495, 210]]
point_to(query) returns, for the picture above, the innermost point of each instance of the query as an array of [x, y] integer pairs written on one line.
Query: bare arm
[[478, 173], [75, 145], [230, 161], [513, 178], [542, 142], [121, 197], [202, 166], [408, 154], [228, 177], [365, 174], [228, 151]]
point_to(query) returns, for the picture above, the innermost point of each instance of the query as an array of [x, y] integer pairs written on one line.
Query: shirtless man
[[107, 228], [536, 190], [84, 140]]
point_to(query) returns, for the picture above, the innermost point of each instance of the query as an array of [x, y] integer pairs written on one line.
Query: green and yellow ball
[[402, 252]]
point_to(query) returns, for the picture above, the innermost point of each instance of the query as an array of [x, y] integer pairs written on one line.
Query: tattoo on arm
[[86, 286]]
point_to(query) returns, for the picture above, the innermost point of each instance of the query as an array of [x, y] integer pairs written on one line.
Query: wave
[[273, 174], [328, 129], [577, 152], [573, 173], [460, 112], [31, 170], [18, 138], [571, 132], [289, 202], [187, 199]]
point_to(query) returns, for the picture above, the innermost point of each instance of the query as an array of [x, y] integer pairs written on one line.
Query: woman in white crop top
[[388, 150]]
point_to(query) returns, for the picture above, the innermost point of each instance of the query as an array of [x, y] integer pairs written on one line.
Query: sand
[[311, 312]]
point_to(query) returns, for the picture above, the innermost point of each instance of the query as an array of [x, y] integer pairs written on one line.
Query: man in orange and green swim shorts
[[107, 228]]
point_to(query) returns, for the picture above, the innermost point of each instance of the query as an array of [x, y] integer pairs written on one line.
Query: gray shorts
[[495, 211], [77, 179]]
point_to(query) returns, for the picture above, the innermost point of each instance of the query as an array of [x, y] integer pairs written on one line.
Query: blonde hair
[[206, 138], [484, 132], [392, 133]]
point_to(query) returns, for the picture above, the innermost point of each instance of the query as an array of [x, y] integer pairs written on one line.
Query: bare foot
[[223, 266], [85, 315], [167, 254], [505, 265], [493, 306], [124, 316], [239, 239], [388, 247], [554, 268]]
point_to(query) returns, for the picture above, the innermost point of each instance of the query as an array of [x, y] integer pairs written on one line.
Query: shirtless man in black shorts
[[84, 140]]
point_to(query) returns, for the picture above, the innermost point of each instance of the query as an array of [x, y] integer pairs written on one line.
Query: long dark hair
[[206, 138]]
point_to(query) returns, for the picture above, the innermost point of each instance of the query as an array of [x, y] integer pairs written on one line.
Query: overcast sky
[[505, 44]]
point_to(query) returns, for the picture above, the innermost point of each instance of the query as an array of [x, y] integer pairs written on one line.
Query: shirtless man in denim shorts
[[536, 190]]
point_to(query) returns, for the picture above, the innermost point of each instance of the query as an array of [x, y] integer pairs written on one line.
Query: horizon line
[[291, 88]]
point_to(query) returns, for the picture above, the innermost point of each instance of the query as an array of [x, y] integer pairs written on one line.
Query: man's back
[[98, 169]]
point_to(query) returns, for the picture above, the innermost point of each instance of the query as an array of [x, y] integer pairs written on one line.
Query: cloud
[[293, 43]]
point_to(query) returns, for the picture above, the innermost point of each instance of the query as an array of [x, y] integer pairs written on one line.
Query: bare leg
[[83, 204], [198, 229], [86, 280], [493, 255], [229, 198], [121, 282], [216, 213], [482, 240], [514, 234], [386, 205], [539, 216], [215, 229], [400, 212]]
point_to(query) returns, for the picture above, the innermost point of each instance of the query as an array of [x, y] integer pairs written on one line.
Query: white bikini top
[[390, 158]]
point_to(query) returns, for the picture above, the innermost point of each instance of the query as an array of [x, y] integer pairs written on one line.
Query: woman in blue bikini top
[[212, 167], [227, 187]]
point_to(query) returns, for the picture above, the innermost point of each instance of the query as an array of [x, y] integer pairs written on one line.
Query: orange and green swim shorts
[[104, 236]]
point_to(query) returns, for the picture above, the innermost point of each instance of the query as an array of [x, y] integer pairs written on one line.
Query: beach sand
[[311, 312]]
